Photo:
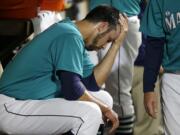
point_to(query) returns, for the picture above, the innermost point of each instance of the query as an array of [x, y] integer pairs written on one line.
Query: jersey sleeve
[[152, 20]]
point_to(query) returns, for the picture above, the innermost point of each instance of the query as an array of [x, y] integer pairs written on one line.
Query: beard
[[93, 46]]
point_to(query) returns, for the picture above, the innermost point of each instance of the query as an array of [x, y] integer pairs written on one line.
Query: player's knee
[[108, 99], [94, 112]]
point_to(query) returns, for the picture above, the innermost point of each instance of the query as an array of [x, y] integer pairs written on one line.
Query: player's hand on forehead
[[123, 21]]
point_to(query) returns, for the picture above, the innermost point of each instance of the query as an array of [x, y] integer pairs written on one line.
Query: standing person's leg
[[128, 54], [171, 103], [120, 80], [53, 116], [144, 124]]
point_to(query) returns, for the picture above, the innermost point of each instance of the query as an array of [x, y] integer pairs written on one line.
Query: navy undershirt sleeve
[[90, 83], [71, 86], [152, 63]]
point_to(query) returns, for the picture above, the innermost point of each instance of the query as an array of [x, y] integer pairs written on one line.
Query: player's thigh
[[47, 116]]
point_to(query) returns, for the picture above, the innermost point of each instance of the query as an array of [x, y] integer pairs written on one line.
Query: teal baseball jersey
[[130, 7], [162, 19], [32, 73]]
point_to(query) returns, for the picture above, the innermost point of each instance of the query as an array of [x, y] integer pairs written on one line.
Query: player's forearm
[[88, 97], [102, 70]]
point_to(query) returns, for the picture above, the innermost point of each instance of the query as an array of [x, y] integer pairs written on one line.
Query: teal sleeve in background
[[130, 7], [152, 20], [95, 3]]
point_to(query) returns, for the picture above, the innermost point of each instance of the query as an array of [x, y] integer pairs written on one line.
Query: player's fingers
[[115, 123], [150, 109]]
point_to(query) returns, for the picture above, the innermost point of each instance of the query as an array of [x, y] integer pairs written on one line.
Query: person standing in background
[[119, 83], [144, 124], [49, 12], [160, 23]]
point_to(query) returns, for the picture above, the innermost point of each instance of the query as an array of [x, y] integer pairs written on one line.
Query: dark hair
[[104, 13]]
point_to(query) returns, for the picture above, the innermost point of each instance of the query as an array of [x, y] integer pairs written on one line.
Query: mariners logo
[[172, 19]]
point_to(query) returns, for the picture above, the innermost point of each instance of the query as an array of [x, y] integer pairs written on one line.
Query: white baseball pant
[[52, 116]]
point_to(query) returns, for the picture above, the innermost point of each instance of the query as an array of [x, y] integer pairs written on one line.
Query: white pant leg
[[45, 117], [171, 103], [44, 20], [128, 54], [119, 83]]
